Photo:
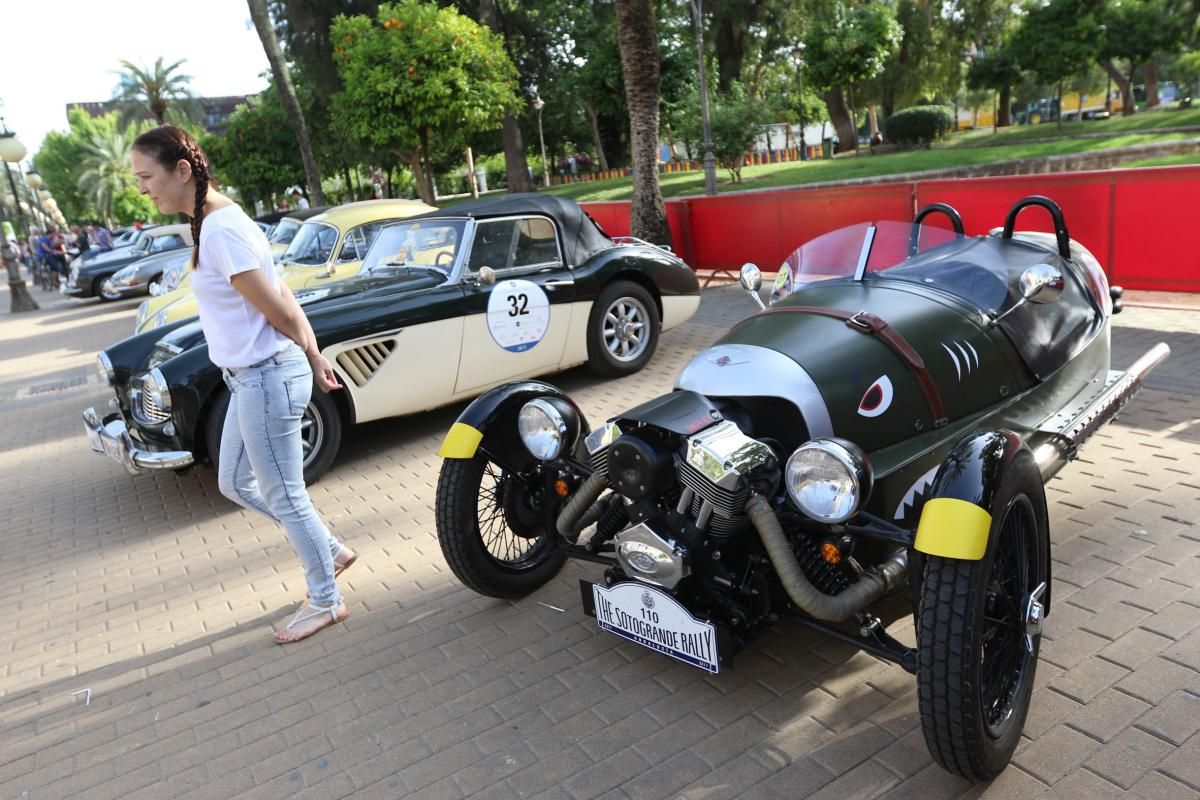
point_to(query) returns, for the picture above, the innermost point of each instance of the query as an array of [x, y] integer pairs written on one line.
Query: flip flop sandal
[[312, 613]]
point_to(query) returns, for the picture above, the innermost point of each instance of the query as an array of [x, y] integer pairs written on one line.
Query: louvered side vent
[[362, 362]]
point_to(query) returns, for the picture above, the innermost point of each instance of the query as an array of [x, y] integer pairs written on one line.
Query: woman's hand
[[323, 373]]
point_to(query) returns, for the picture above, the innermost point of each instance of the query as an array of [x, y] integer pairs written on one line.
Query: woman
[[262, 341]]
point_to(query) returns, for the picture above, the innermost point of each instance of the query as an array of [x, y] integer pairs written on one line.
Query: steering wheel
[[437, 260]]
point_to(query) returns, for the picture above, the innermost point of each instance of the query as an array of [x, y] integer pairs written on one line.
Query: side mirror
[[487, 276], [750, 278], [1040, 283]]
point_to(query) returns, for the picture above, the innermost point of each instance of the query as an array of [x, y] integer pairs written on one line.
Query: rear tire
[[623, 329], [493, 530], [974, 672]]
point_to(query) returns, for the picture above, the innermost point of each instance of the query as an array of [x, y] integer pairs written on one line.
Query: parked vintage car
[[881, 433], [289, 225], [346, 230], [87, 279], [450, 305], [145, 275]]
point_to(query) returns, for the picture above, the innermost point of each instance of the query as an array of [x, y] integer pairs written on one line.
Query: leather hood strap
[[868, 323]]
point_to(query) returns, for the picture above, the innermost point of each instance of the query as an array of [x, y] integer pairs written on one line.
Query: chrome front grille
[[151, 412]]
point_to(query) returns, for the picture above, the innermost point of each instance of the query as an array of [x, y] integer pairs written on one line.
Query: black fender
[[490, 424], [956, 518]]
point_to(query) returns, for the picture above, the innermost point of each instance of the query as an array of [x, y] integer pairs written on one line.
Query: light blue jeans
[[262, 461]]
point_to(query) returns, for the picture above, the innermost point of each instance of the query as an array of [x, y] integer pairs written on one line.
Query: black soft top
[[582, 236]]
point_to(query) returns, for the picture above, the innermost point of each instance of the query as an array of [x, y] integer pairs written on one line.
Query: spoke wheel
[[494, 528], [976, 650]]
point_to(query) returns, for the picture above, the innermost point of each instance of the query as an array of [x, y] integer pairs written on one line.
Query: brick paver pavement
[[136, 661]]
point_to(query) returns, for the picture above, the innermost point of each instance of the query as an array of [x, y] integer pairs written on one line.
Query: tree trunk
[[516, 168], [1004, 114], [349, 186], [471, 184], [839, 115], [637, 38], [1151, 84], [21, 299], [874, 121], [591, 114], [287, 93], [1059, 110], [1123, 85], [418, 171]]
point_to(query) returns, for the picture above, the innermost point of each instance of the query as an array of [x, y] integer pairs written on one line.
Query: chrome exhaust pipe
[[1052, 455]]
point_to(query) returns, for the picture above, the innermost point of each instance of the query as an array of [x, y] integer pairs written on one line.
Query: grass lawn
[[769, 176], [1143, 121], [1163, 161]]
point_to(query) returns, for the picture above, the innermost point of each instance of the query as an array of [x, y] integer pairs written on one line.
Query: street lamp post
[[798, 52], [538, 105], [11, 150], [710, 162]]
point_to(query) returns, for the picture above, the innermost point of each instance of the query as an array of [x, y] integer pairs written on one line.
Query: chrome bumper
[[111, 437]]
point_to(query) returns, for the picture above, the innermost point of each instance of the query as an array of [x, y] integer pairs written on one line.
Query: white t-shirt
[[238, 334]]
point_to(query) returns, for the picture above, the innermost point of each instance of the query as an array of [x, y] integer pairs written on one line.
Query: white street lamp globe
[[25, 207], [538, 103], [50, 204], [33, 179], [11, 149]]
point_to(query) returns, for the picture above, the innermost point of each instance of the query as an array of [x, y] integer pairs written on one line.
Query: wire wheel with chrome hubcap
[[106, 291], [622, 330], [978, 633], [496, 527]]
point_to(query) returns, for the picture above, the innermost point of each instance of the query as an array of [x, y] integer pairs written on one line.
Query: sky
[[56, 52]]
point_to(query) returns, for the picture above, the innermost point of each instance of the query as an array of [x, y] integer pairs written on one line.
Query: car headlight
[[154, 385], [546, 425], [828, 479], [105, 368], [140, 319], [160, 319]]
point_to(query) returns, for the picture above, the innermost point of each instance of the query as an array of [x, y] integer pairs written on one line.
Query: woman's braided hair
[[168, 145]]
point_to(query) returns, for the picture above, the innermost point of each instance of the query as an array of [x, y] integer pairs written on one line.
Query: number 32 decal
[[518, 315]]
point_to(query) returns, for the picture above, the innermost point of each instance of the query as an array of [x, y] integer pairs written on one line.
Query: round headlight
[[105, 368], [142, 311], [542, 428], [828, 479], [160, 319]]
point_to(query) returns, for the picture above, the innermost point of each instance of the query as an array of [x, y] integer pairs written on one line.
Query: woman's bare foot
[[308, 620]]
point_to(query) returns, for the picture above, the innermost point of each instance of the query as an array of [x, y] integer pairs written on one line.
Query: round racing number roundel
[[518, 314]]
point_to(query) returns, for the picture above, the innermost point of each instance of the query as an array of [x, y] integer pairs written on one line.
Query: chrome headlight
[[140, 319], [160, 319], [154, 385], [546, 425], [828, 479], [105, 368]]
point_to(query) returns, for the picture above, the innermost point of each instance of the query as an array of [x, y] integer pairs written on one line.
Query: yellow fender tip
[[461, 441], [953, 528]]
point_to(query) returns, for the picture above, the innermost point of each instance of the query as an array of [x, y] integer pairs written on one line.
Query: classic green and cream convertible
[[449, 304]]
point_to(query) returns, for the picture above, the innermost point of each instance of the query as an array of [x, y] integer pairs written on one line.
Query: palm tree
[[155, 89], [638, 41], [105, 170], [287, 93]]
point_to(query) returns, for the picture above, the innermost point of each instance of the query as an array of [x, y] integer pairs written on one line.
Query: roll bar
[[943, 208], [1060, 227]]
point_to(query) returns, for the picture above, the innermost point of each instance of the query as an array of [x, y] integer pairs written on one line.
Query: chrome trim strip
[[747, 370], [865, 254]]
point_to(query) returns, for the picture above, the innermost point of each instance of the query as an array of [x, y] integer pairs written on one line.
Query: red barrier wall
[[1138, 223]]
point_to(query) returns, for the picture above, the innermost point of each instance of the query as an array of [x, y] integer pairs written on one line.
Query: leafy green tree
[[258, 153], [997, 71], [848, 46], [130, 205], [1136, 30], [736, 120], [61, 154], [416, 74], [156, 89], [1058, 41], [106, 170]]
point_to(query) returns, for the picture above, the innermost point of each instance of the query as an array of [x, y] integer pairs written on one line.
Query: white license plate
[[652, 618], [94, 439]]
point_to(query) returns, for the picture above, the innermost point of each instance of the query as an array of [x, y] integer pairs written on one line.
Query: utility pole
[[710, 162]]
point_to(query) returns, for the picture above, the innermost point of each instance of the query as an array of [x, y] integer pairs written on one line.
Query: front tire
[[103, 289], [494, 528], [320, 427], [975, 671], [623, 329]]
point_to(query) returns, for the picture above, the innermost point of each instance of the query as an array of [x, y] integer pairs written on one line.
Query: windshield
[[312, 246], [284, 232], [428, 243], [876, 247]]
